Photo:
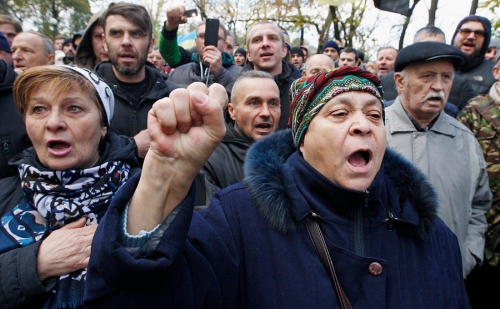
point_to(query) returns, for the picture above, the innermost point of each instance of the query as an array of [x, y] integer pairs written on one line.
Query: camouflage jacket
[[482, 117]]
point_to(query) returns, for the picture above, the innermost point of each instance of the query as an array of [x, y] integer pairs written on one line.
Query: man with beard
[[136, 86], [444, 149], [472, 36]]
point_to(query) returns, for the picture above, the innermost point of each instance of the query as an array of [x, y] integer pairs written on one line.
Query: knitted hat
[[241, 51], [4, 43], [331, 44], [310, 94], [105, 95], [297, 50]]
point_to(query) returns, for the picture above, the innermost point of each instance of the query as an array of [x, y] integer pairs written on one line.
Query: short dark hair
[[249, 74], [350, 50], [430, 30], [7, 19], [135, 13]]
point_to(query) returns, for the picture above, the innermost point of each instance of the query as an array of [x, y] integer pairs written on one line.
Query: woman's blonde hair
[[58, 79]]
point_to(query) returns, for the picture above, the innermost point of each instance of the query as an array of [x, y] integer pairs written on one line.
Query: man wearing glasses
[[210, 64], [472, 36]]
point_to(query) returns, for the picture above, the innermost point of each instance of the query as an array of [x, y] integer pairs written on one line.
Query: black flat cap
[[426, 51]]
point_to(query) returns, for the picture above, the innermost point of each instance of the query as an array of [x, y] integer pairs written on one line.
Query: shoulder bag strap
[[319, 244]]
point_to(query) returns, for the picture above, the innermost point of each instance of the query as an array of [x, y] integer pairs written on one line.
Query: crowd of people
[[138, 174]]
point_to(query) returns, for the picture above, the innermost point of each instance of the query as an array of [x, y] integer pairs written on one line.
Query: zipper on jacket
[[390, 219], [359, 245]]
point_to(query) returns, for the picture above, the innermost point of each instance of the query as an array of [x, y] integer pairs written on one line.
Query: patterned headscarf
[[310, 94]]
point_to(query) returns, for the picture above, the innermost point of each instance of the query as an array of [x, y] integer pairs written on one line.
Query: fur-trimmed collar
[[268, 181]]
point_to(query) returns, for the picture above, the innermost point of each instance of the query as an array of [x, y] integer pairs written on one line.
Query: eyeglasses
[[467, 32], [201, 36]]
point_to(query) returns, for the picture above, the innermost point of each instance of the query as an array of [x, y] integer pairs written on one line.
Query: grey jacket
[[451, 157]]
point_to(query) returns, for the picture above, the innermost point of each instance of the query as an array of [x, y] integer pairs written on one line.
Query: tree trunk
[[432, 12], [473, 7], [335, 20], [405, 25], [323, 33]]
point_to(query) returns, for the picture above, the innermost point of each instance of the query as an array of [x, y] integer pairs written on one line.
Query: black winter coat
[[13, 136]]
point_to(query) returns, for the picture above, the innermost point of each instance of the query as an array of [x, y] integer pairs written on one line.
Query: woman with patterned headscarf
[[255, 245]]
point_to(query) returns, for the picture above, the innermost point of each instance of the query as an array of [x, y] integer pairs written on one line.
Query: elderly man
[[318, 63], [31, 49], [128, 37], [472, 36], [481, 116], [254, 113], [461, 90], [386, 56], [330, 175], [444, 149], [210, 64]]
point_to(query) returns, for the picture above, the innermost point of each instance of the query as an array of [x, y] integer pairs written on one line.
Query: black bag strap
[[319, 244]]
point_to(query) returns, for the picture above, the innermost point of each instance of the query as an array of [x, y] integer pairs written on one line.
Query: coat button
[[375, 269]]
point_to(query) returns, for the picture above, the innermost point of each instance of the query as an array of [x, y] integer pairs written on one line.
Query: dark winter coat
[[129, 120], [20, 286], [13, 136], [478, 70], [191, 72], [284, 81], [250, 248]]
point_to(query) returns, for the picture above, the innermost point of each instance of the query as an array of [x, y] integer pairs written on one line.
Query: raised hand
[[184, 130], [175, 17], [213, 57]]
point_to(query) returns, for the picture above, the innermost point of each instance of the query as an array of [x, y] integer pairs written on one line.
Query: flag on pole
[[396, 6]]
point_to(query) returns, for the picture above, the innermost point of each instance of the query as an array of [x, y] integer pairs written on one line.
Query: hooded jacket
[[20, 286], [129, 120], [284, 81], [250, 248], [195, 71], [85, 56], [13, 136], [477, 70]]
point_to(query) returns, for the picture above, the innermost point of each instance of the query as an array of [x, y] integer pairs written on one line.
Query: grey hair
[[429, 30], [48, 45]]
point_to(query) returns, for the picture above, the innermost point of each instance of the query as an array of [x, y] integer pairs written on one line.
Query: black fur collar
[[265, 176]]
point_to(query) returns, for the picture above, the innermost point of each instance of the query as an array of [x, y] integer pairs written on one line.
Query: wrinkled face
[[345, 141], [127, 44], [155, 58], [491, 54], [470, 37], [239, 59], [265, 48], [297, 60], [385, 61], [28, 51], [318, 63], [58, 44], [65, 129], [256, 108], [9, 31], [68, 50], [425, 89], [332, 53], [98, 45], [347, 59], [200, 40]]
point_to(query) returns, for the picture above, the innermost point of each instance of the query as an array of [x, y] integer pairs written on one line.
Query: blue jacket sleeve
[[167, 271]]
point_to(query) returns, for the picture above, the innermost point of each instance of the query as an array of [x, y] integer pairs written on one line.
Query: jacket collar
[[282, 184], [398, 121]]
